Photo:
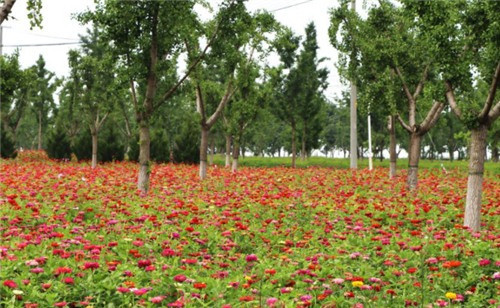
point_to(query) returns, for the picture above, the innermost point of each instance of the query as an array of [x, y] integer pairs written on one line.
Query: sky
[[59, 27]]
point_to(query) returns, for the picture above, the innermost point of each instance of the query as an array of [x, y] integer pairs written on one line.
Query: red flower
[[68, 280], [251, 258], [10, 284], [91, 265], [180, 278], [61, 304]]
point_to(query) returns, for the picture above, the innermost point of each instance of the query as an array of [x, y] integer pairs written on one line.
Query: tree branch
[[451, 100], [432, 117], [190, 69], [102, 120], [6, 9], [491, 94], [200, 104], [405, 87], [494, 113], [421, 83], [403, 124], [227, 96], [411, 100]]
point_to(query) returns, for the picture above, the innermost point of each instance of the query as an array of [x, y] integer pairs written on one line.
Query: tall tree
[[389, 37], [43, 100], [241, 34], [285, 83], [148, 36], [464, 38], [311, 84], [92, 69]]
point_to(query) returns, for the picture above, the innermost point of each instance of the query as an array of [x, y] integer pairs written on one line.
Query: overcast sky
[[59, 27]]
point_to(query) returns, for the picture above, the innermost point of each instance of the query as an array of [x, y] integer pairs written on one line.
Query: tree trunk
[[475, 179], [93, 133], [294, 147], [144, 156], [236, 153], [353, 118], [393, 156], [452, 157], [203, 152], [494, 150], [228, 150], [212, 152], [414, 157], [39, 130], [303, 150]]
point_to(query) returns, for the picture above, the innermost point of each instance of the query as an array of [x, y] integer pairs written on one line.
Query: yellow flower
[[357, 283], [451, 295]]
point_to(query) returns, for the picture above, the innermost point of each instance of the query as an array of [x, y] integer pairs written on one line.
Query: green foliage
[[58, 144], [7, 146]]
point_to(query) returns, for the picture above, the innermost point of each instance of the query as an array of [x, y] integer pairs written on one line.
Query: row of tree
[[420, 57], [423, 59]]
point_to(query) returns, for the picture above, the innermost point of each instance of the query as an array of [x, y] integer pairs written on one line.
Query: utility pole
[[370, 153], [1, 41], [354, 137]]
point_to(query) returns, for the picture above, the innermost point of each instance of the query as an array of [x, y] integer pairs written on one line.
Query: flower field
[[271, 237]]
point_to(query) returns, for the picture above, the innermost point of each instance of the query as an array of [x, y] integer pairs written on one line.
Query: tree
[[43, 100], [15, 91], [389, 38], [148, 37], [311, 83], [92, 71], [463, 38], [285, 83], [240, 36]]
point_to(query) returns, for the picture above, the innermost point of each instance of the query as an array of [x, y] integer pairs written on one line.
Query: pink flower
[[305, 298], [123, 289], [37, 270], [496, 275], [68, 280], [431, 261], [271, 301], [251, 258], [61, 304], [484, 262], [338, 281], [141, 291], [180, 278], [157, 299]]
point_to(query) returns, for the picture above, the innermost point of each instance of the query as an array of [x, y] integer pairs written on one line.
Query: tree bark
[[6, 9], [393, 156], [475, 179], [144, 156], [39, 130], [228, 150], [93, 133], [203, 152], [494, 150], [414, 157], [212, 152], [303, 150], [236, 153], [294, 147]]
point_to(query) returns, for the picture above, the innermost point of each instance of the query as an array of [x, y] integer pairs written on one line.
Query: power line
[[46, 44], [290, 6]]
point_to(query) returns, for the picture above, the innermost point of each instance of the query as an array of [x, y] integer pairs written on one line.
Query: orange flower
[[200, 285], [452, 264]]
